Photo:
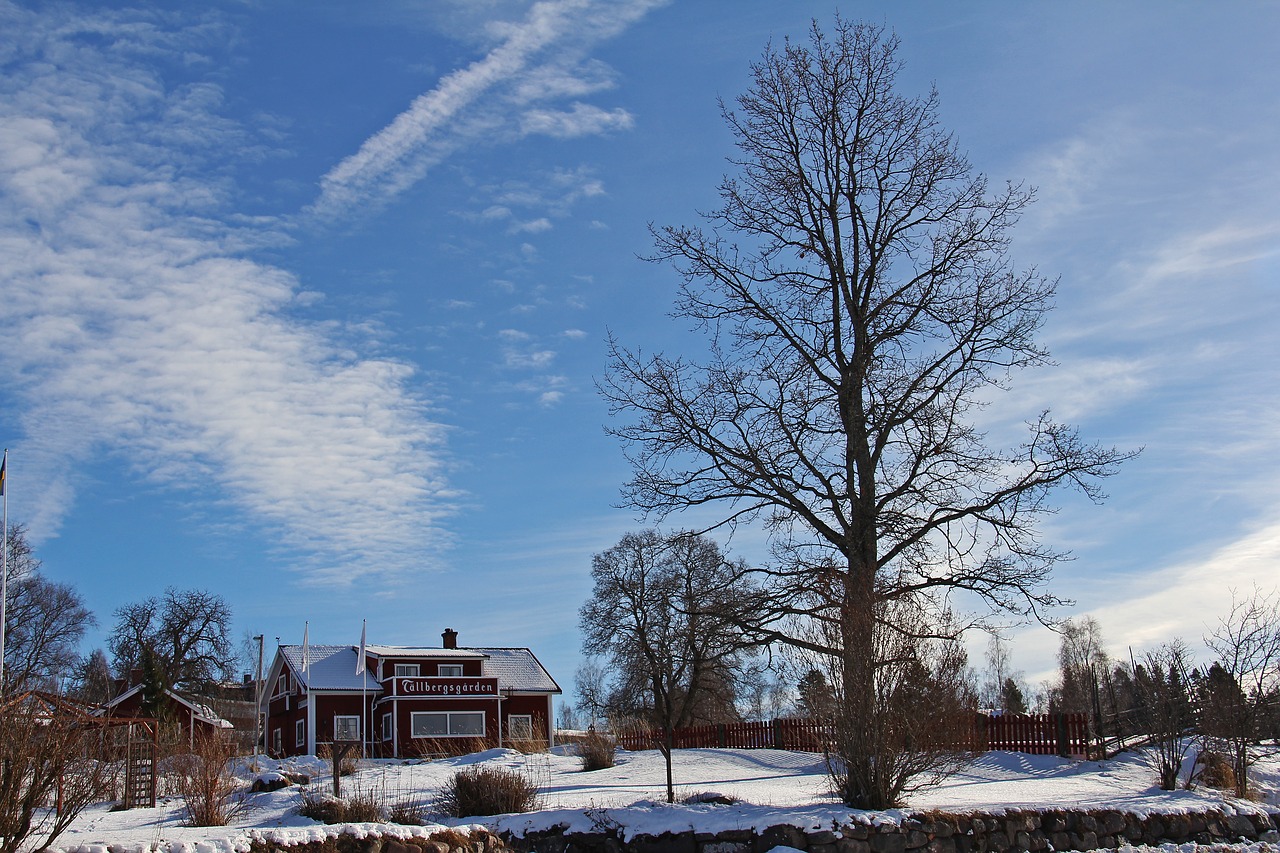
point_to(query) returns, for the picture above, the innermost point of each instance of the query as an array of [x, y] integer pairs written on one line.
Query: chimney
[[450, 638]]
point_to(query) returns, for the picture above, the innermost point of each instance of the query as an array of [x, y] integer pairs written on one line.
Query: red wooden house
[[408, 701], [182, 717]]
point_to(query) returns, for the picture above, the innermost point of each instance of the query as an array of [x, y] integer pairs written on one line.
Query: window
[[453, 670], [447, 724], [408, 669], [520, 727], [277, 742], [388, 730], [300, 733], [346, 728]]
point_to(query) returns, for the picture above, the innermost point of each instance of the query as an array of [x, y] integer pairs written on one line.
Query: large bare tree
[[187, 631], [860, 306]]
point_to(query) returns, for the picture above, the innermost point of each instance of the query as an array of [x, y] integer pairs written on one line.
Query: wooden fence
[[1038, 734]]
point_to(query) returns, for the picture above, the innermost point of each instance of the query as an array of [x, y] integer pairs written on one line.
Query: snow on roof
[[518, 670], [422, 652], [330, 668], [334, 667], [203, 713]]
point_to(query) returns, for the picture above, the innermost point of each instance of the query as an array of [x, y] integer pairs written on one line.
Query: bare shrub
[[357, 807], [46, 751], [1216, 771], [204, 780], [596, 751], [480, 791]]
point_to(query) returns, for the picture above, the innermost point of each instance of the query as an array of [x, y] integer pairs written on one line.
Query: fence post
[[721, 740], [777, 734], [1060, 726]]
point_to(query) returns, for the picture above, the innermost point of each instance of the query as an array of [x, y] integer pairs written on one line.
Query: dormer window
[[449, 670], [409, 670]]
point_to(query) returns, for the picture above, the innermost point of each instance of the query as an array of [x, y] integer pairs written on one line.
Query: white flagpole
[[4, 539], [364, 699]]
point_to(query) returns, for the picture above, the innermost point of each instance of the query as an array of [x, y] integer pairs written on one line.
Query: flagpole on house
[[4, 572], [364, 698], [306, 667]]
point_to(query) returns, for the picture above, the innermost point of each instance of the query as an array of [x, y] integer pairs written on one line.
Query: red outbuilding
[[406, 701], [180, 717]]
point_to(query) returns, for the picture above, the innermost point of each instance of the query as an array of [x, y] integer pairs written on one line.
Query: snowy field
[[774, 787]]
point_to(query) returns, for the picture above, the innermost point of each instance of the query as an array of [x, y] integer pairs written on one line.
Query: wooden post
[[339, 750], [1060, 724]]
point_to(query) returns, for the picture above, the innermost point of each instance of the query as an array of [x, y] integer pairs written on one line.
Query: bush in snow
[[357, 807], [487, 791], [596, 751], [205, 783]]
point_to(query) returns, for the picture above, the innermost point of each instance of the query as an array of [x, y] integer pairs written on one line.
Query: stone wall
[[932, 832]]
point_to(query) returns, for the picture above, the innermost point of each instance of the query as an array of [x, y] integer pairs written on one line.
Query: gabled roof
[[329, 668], [422, 652], [333, 668], [519, 670], [203, 713]]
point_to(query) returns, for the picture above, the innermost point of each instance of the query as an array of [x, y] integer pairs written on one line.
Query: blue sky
[[304, 301]]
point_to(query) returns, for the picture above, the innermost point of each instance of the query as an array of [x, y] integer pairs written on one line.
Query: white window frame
[[388, 727], [281, 686], [454, 670], [300, 733], [408, 670], [526, 720], [449, 724], [337, 717]]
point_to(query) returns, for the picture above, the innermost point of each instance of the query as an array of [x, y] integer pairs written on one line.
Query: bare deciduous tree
[[46, 753], [1164, 708], [659, 611], [188, 631], [1245, 675], [1002, 686], [44, 622], [861, 306]]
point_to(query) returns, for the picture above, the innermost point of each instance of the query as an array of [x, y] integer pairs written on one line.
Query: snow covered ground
[[774, 787]]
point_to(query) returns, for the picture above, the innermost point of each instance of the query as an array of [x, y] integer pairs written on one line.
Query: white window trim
[[300, 733], [411, 670], [525, 718], [455, 670], [449, 715], [388, 732], [337, 717]]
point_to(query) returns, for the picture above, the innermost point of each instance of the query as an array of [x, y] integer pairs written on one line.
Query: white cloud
[[136, 331], [581, 120], [489, 99], [533, 226]]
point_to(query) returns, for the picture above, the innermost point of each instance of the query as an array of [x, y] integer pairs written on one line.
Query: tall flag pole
[[364, 680], [4, 572], [306, 673]]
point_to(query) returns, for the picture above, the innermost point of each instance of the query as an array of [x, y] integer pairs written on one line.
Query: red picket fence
[[1038, 734]]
